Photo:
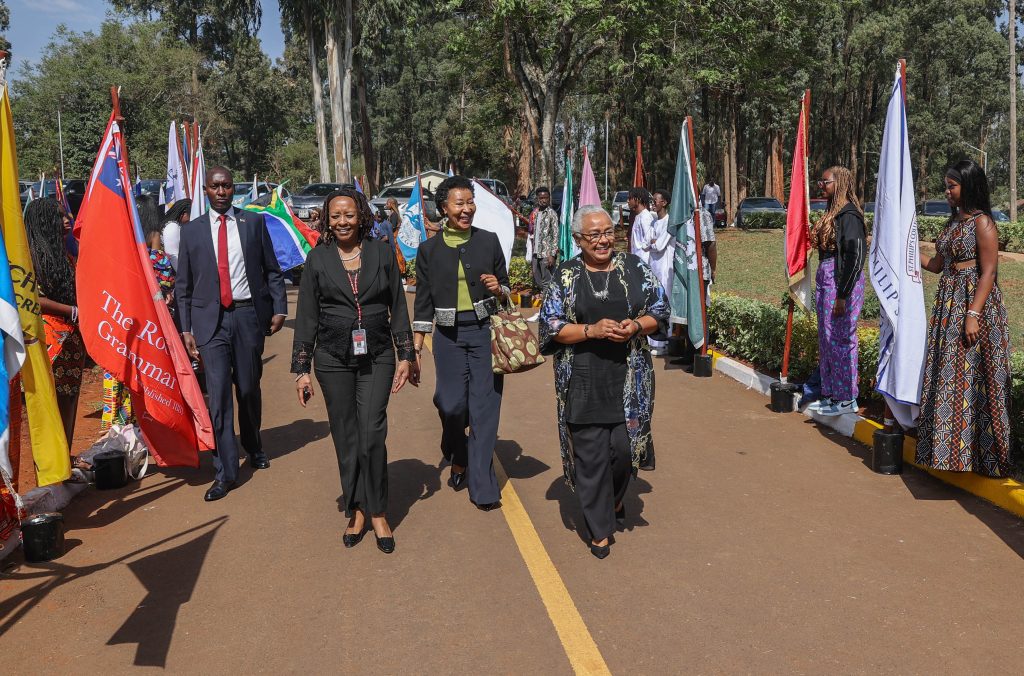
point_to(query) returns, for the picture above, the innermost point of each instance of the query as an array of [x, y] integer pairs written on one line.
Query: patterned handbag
[[514, 348]]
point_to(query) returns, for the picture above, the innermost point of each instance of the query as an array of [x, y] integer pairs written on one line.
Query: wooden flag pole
[[115, 100], [805, 114], [698, 244]]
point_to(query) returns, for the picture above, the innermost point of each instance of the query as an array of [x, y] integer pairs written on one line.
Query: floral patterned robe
[[645, 297]]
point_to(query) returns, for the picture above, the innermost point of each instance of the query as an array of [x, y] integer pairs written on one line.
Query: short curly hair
[[447, 185], [365, 215]]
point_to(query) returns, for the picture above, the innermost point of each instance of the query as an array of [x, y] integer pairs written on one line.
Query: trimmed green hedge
[[755, 332], [1011, 235], [520, 276]]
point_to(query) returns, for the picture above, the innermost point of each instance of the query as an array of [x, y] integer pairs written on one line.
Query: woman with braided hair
[[45, 223], [841, 240]]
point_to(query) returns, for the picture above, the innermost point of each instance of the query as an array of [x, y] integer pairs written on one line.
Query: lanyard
[[353, 278]]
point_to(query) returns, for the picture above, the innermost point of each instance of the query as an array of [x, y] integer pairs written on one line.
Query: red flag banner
[[797, 216], [125, 322]]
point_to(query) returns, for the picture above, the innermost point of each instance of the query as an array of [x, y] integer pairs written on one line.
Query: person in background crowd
[[841, 240], [381, 229], [964, 424], [662, 253], [641, 235], [544, 228], [459, 276], [710, 195], [597, 309], [394, 213], [350, 319], [230, 296], [177, 216], [45, 223]]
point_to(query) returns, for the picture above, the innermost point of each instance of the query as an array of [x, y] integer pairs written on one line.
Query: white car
[[620, 207]]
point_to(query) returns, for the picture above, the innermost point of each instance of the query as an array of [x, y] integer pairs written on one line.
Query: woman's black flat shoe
[[600, 551], [352, 539], [488, 506], [457, 480], [386, 545]]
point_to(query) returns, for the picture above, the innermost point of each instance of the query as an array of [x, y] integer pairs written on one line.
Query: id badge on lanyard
[[358, 335]]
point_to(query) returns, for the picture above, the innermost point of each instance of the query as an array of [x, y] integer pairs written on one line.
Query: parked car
[[312, 197], [242, 191], [497, 187], [934, 208], [869, 207], [148, 186], [1000, 216], [720, 215], [620, 207], [401, 195], [819, 204], [74, 191], [756, 205]]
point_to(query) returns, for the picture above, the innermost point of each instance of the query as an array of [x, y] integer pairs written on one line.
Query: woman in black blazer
[[351, 317], [460, 279]]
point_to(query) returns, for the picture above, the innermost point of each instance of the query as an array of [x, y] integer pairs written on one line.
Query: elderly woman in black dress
[[460, 277], [598, 309], [350, 320]]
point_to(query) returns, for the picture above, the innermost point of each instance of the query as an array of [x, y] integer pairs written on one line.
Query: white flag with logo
[[896, 270], [174, 185]]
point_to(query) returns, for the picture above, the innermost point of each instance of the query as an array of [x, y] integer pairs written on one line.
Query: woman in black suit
[[351, 317], [460, 278]]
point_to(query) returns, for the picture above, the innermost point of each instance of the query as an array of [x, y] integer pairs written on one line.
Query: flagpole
[[805, 113], [115, 99], [60, 141], [607, 115], [698, 244]]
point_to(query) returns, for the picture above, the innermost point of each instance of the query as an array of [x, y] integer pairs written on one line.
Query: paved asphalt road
[[762, 544]]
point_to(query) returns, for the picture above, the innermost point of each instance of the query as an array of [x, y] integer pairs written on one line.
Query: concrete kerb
[[1005, 493]]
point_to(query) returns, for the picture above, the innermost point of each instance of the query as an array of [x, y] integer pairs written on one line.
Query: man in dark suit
[[230, 295]]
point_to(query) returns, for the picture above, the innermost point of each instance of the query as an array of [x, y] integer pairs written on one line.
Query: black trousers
[[357, 409], [234, 356], [603, 467], [468, 393]]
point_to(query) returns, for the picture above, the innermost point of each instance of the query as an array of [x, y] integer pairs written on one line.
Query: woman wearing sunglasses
[[840, 238]]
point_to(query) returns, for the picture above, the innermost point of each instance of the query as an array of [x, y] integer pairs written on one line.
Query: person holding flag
[[964, 419], [841, 240]]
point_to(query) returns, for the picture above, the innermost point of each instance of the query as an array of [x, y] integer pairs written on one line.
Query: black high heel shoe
[[386, 545], [457, 480], [600, 551], [352, 539]]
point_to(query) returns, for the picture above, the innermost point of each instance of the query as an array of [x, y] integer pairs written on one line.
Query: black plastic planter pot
[[784, 397], [702, 365], [887, 452], [42, 537], [111, 468]]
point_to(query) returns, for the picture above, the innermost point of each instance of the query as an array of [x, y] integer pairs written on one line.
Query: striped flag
[[291, 243]]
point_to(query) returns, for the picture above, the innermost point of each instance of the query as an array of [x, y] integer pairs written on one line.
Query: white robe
[[662, 253], [643, 233]]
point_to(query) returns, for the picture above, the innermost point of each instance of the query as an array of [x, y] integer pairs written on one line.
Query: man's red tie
[[226, 299]]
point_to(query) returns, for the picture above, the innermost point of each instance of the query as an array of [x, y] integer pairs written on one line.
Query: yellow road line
[[577, 642]]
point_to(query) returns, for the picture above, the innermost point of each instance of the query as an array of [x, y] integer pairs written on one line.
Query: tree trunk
[[346, 87], [731, 158], [525, 161], [318, 100], [366, 138], [775, 178], [341, 174], [547, 138]]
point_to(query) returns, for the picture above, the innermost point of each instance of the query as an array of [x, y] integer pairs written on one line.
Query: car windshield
[[818, 205], [150, 187], [937, 208], [761, 203], [319, 189], [399, 193], [621, 196]]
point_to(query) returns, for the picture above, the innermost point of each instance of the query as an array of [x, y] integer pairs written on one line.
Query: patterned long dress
[[964, 421], [645, 297]]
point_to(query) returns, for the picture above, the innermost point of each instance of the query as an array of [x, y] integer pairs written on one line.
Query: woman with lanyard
[[351, 318]]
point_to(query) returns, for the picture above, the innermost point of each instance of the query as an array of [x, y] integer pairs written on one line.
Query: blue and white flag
[[896, 269], [254, 193], [174, 185], [359, 188], [200, 204], [412, 231], [14, 352]]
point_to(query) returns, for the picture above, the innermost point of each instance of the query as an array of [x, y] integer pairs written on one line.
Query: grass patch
[[751, 264]]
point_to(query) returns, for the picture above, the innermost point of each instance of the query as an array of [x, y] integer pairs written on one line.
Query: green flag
[[685, 297], [566, 244]]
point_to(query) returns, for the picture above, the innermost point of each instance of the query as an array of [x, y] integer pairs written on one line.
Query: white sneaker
[[840, 408], [819, 405]]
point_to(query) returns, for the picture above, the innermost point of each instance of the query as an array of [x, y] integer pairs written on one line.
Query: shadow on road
[[169, 577], [516, 464], [572, 516], [282, 440], [409, 481]]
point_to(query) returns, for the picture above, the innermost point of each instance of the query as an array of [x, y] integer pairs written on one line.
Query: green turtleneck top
[[455, 238]]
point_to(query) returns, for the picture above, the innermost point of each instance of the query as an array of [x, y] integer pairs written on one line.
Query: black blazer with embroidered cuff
[[327, 312], [437, 276]]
